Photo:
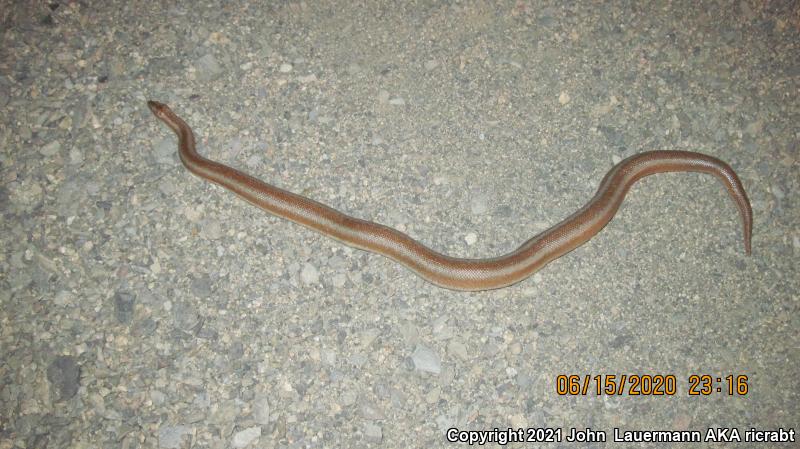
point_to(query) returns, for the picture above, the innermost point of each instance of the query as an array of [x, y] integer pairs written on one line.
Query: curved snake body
[[440, 269]]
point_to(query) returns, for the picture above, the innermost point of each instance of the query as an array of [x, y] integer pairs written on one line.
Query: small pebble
[[246, 436], [64, 375], [309, 274], [373, 432], [173, 437], [51, 149], [471, 238], [425, 359]]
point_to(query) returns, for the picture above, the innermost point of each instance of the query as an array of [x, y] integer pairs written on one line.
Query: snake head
[[160, 110], [165, 114]]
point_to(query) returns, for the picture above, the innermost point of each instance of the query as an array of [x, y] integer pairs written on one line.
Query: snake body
[[440, 269]]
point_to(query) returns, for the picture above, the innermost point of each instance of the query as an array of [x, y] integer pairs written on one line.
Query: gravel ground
[[143, 307]]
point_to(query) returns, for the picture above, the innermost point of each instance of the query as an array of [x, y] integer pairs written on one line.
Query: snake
[[440, 269]]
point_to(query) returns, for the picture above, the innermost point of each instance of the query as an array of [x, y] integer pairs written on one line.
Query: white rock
[[309, 274], [426, 360], [246, 436], [471, 238]]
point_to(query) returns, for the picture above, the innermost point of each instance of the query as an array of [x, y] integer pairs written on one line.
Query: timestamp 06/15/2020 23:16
[[649, 385]]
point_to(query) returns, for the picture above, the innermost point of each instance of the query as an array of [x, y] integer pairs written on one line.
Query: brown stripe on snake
[[451, 272]]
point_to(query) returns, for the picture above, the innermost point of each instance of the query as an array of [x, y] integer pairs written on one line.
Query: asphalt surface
[[141, 306]]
